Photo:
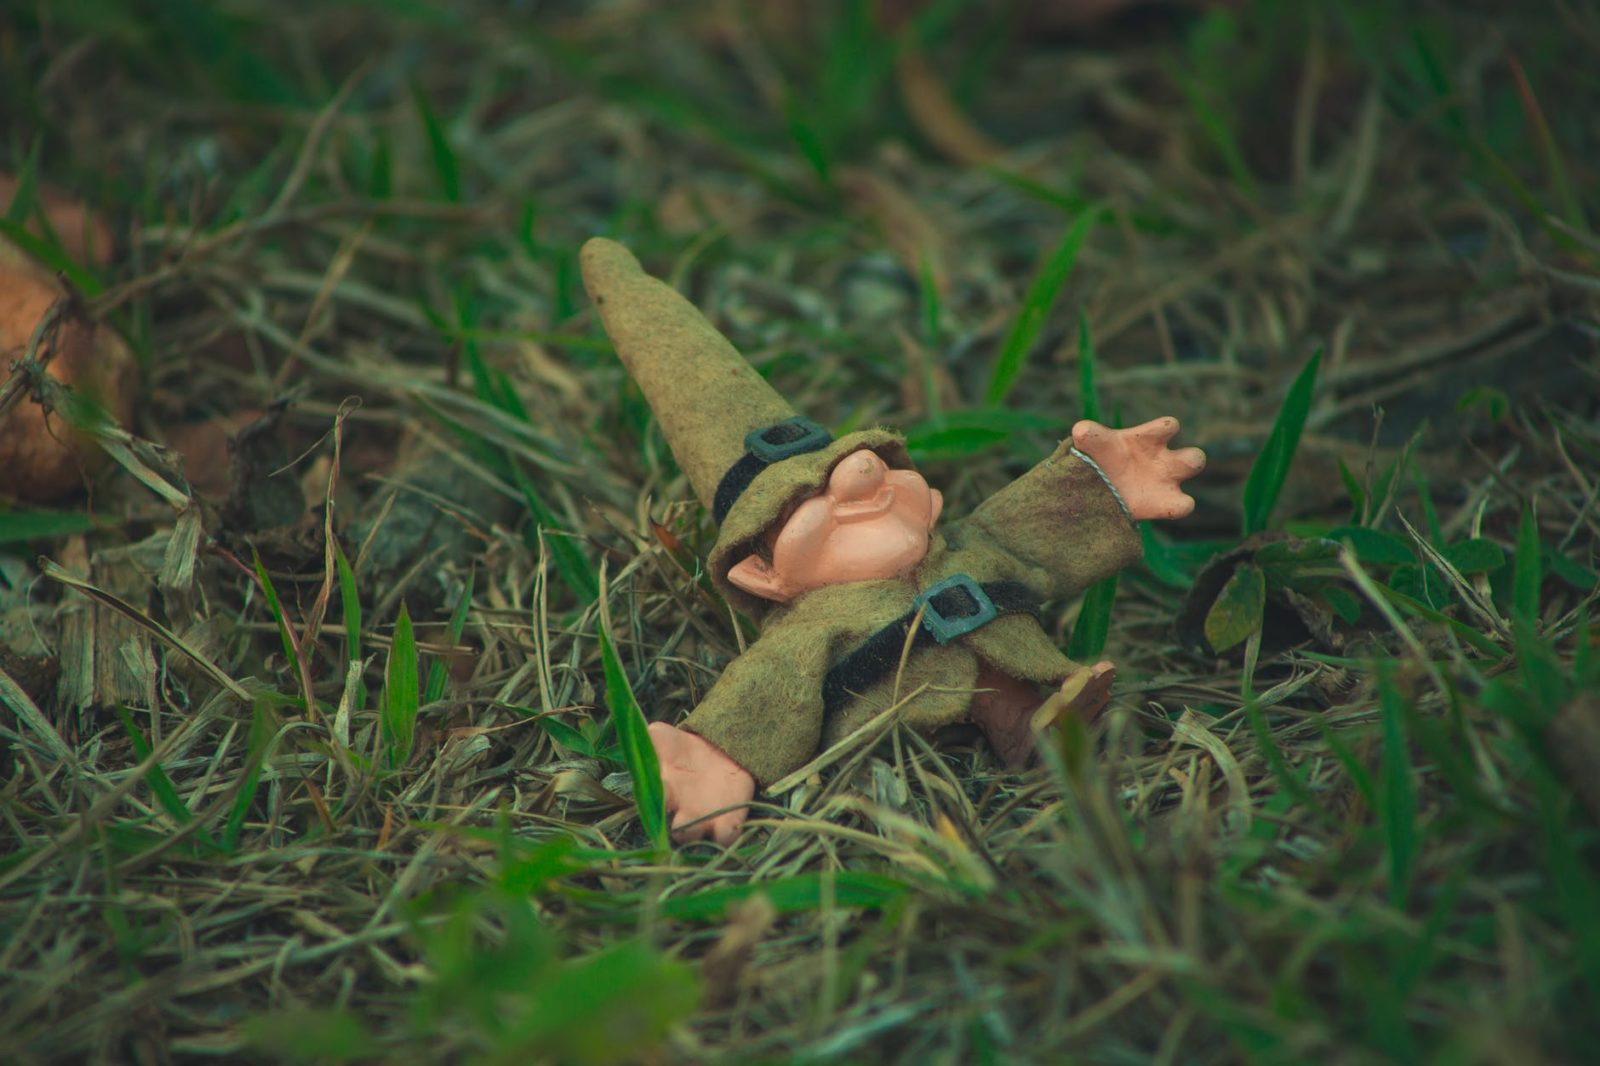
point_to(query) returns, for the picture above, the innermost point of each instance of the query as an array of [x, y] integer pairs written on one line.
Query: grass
[[638, 754], [1359, 827], [1036, 307], [1271, 468]]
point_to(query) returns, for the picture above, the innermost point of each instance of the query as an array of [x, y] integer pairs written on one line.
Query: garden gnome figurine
[[831, 544]]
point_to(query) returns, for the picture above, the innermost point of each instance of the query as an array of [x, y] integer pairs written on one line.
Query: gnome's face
[[869, 523]]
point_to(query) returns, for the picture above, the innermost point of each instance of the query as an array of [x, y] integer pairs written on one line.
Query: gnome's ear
[[756, 576]]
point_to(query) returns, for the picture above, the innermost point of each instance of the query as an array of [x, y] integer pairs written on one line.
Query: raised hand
[[698, 779], [1140, 465]]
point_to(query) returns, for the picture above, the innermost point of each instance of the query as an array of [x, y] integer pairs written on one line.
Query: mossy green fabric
[[1057, 529], [706, 398]]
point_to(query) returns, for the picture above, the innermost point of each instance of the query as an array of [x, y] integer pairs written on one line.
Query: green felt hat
[[747, 453]]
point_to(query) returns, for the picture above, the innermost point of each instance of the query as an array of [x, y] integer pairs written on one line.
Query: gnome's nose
[[858, 476]]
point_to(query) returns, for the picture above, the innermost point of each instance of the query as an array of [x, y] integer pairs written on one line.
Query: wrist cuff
[[1096, 468]]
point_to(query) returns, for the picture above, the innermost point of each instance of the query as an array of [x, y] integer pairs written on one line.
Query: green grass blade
[[1465, 632], [1568, 865], [1290, 781], [633, 733], [1161, 561], [571, 564], [380, 176], [261, 730], [1555, 164], [401, 696], [1573, 573], [1222, 135], [1272, 465], [308, 1034], [53, 256], [1353, 766], [808, 140], [1036, 308], [18, 526], [565, 735], [458, 619], [25, 198], [960, 434], [1087, 391], [160, 784], [276, 607], [1207, 83], [1397, 793], [1353, 489], [445, 163], [932, 308], [1433, 76], [1374, 547], [1529, 573], [789, 895], [1546, 687], [1093, 626], [350, 603], [20, 703]]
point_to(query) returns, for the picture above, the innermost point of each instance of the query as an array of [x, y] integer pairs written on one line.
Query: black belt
[[955, 607]]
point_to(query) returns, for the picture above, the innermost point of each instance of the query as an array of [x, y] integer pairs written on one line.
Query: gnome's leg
[[1010, 712]]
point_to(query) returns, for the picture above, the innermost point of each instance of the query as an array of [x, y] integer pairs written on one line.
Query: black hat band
[[763, 447]]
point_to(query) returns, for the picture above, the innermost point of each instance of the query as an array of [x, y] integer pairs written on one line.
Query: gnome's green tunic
[[1047, 536], [1056, 530]]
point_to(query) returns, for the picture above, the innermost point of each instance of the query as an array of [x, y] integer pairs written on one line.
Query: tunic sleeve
[[1063, 520], [765, 711]]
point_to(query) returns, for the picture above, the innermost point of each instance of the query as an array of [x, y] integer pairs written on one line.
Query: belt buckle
[[944, 629]]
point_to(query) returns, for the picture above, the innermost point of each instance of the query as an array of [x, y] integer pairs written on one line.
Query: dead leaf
[[204, 447], [1238, 609], [924, 373], [937, 116], [1219, 598], [265, 501], [693, 206], [906, 228], [44, 458]]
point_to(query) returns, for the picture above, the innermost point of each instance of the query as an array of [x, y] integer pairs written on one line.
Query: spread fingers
[[725, 828], [1086, 432], [1156, 431], [1188, 461]]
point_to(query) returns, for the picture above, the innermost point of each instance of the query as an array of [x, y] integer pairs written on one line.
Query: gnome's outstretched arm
[[765, 711], [1061, 520], [761, 720]]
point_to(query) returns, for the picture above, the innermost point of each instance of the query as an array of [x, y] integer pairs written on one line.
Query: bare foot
[[1002, 707], [1144, 470], [1011, 715], [1084, 693], [698, 779]]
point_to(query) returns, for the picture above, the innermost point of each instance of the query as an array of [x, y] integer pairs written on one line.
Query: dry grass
[[1367, 842]]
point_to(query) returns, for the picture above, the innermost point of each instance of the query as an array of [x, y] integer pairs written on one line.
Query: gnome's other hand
[[1139, 464], [698, 779]]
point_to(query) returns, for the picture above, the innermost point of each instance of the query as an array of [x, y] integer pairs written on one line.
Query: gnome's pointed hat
[[746, 452]]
